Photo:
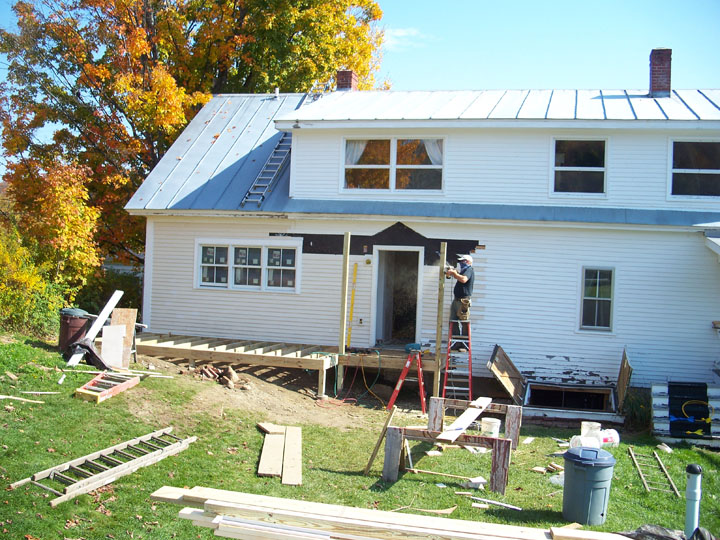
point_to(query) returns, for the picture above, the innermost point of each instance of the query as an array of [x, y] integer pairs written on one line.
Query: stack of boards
[[281, 453]]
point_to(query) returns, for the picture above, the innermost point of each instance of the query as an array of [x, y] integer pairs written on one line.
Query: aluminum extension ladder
[[270, 172], [414, 355], [457, 382]]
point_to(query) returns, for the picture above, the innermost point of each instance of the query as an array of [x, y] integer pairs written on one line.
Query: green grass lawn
[[34, 437]]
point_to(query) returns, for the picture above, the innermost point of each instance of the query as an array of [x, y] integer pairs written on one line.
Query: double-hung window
[[394, 164], [597, 298], [250, 266], [579, 166], [696, 168]]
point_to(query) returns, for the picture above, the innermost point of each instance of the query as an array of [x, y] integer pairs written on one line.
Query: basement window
[[579, 167], [696, 168], [567, 397], [271, 265], [394, 164]]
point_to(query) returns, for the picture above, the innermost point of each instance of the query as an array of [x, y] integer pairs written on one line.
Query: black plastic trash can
[[586, 491], [73, 326]]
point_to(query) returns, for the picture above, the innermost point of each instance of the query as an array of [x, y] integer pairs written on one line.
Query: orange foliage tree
[[97, 90]]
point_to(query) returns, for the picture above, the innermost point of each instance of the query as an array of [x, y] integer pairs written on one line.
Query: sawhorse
[[414, 355]]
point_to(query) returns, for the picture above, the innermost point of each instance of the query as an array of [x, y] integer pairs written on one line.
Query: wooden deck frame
[[232, 351], [395, 440]]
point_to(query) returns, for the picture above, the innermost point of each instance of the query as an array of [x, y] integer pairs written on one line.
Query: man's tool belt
[[463, 312]]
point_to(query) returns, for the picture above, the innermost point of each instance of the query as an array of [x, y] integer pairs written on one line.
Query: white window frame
[[671, 170], [602, 330], [282, 242], [553, 168], [392, 166]]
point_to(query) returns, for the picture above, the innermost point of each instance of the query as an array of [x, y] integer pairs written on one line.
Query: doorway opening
[[397, 298]]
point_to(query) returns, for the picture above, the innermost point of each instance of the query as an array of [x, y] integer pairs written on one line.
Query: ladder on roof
[[105, 466], [457, 382], [270, 172]]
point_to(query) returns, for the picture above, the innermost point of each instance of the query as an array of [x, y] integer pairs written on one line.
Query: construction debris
[[496, 503], [95, 470], [11, 376], [21, 399]]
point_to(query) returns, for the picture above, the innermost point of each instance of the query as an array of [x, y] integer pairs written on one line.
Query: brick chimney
[[660, 61], [346, 80]]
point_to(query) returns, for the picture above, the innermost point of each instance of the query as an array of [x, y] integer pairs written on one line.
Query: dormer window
[[394, 164], [579, 166]]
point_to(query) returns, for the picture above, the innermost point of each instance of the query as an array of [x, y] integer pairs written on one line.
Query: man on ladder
[[459, 338]]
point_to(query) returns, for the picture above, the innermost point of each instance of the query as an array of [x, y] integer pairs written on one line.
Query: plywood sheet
[[112, 345]]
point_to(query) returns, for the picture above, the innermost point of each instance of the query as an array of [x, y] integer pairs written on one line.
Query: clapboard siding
[[504, 167], [527, 294]]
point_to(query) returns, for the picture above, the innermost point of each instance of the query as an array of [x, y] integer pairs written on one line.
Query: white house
[[583, 210]]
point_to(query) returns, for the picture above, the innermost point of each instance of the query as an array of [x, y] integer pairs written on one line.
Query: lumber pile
[[281, 453], [234, 514]]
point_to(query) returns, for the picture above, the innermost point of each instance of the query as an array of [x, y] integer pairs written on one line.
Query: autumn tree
[[97, 90]]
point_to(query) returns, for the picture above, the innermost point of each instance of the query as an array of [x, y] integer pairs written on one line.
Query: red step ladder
[[413, 356], [457, 384]]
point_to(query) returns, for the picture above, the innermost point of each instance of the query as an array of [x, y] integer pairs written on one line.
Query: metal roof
[[217, 157], [510, 105]]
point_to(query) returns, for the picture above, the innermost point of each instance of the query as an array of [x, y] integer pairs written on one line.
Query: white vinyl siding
[[504, 167], [526, 296]]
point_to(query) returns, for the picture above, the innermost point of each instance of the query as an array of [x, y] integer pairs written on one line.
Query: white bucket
[[609, 437], [588, 429], [588, 442], [490, 427]]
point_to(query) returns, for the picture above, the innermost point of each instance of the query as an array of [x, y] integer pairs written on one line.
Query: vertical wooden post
[[440, 317], [343, 307], [500, 465], [393, 453], [436, 413], [513, 420]]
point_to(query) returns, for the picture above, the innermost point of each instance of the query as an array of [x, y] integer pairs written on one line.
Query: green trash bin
[[586, 489]]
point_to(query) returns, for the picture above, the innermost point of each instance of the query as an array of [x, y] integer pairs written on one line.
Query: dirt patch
[[279, 395]]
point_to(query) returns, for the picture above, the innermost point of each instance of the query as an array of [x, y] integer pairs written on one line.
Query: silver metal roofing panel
[[217, 156], [483, 105], [456, 106], [700, 104], [589, 105], [712, 96], [562, 105], [509, 105], [617, 105], [645, 107], [535, 105], [675, 109]]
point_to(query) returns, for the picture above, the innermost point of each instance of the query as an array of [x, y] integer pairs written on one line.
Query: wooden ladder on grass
[[652, 477], [105, 466]]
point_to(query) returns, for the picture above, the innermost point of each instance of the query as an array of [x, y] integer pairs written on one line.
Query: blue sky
[[521, 44]]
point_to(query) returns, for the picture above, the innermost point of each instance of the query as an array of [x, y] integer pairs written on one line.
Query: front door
[[397, 286]]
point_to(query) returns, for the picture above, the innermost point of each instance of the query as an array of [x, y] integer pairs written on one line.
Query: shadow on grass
[[44, 345]]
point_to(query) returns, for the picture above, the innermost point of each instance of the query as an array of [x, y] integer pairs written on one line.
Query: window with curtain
[[579, 166], [394, 164], [596, 310], [696, 168]]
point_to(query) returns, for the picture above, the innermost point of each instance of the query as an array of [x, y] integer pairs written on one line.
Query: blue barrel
[[586, 491]]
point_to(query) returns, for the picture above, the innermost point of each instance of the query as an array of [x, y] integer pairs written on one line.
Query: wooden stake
[[380, 440]]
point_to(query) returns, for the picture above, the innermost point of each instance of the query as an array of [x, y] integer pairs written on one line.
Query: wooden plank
[[563, 533], [292, 457], [393, 453], [513, 422], [271, 458], [440, 319], [370, 522], [500, 465], [94, 330], [623, 380], [268, 427], [380, 439], [127, 318], [454, 430], [436, 413], [343, 305], [507, 374]]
